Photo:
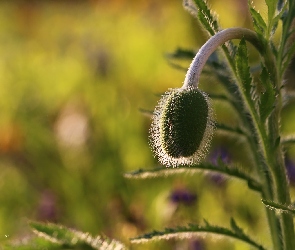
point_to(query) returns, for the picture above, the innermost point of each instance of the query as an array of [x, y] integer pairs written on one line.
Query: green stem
[[265, 177], [275, 156], [199, 61]]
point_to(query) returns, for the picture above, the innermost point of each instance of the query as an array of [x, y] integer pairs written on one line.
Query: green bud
[[182, 127], [183, 123]]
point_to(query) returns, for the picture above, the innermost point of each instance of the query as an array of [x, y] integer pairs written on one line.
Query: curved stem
[[199, 61]]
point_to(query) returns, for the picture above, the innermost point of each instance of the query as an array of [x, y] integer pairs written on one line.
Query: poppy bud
[[182, 126]]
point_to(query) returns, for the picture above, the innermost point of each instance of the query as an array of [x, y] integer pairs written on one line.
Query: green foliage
[[243, 68], [72, 239], [267, 96], [271, 7], [207, 17], [280, 208], [36, 243], [231, 171], [182, 54], [193, 230], [258, 22]]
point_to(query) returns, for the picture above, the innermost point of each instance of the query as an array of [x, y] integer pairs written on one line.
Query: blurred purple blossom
[[219, 154], [197, 244], [183, 196], [290, 167], [47, 208]]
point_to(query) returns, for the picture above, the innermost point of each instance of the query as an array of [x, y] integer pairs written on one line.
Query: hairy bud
[[182, 127]]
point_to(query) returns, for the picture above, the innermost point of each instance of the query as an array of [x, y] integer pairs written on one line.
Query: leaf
[[66, 237], [280, 5], [190, 7], [242, 66], [288, 140], [193, 230], [148, 113], [221, 168], [258, 22], [206, 17], [229, 129], [279, 207], [35, 243], [239, 231], [272, 21], [268, 97], [271, 7], [177, 66], [275, 24], [180, 53]]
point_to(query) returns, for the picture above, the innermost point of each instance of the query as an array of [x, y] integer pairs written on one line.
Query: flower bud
[[182, 127]]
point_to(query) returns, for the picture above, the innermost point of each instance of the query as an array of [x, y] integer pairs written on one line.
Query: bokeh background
[[74, 76]]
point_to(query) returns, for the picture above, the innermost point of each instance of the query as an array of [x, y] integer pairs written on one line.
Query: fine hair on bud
[[182, 127]]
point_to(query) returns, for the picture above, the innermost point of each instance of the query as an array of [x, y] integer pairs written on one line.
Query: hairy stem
[[199, 61]]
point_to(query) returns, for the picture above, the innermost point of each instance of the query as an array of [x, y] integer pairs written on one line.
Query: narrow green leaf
[[35, 243], [280, 5], [180, 53], [221, 168], [267, 97], [288, 140], [271, 7], [279, 207], [239, 231], [177, 66], [193, 230], [54, 233], [258, 22], [190, 7], [242, 66], [206, 17], [275, 24], [229, 129], [148, 113], [71, 238]]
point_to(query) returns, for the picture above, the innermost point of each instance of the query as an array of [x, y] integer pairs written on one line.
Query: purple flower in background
[[47, 208], [197, 244], [217, 155], [290, 167], [183, 196]]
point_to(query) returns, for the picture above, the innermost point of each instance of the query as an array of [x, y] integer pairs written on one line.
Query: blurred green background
[[73, 77]]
